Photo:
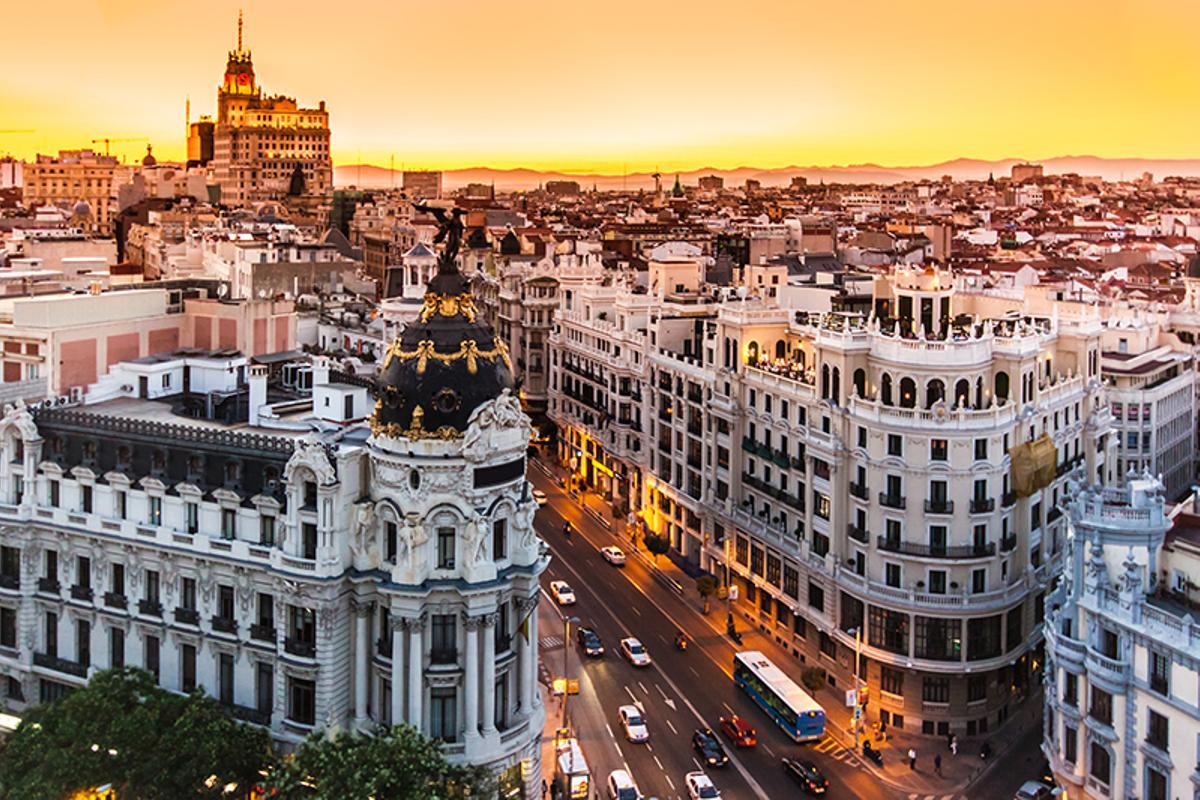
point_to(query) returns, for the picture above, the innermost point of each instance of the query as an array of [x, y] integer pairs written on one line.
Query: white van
[[622, 787]]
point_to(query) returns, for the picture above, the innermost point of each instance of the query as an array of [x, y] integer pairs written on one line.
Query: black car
[[806, 774], [709, 747], [589, 640]]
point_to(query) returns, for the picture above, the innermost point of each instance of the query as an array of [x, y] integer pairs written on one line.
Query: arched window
[[825, 381], [752, 353], [860, 382], [908, 393], [835, 389], [979, 392], [1001, 387], [885, 389], [962, 393], [781, 349], [233, 472], [935, 391]]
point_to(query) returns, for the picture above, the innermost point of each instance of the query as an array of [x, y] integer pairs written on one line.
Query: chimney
[[258, 391], [320, 371]]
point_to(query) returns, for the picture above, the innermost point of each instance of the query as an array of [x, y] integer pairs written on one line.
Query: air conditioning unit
[[62, 400]]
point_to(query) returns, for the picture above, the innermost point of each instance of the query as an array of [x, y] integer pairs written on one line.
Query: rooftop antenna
[[187, 116], [239, 30]]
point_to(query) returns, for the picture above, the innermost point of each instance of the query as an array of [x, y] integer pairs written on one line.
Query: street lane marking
[[696, 761], [672, 727], [644, 689], [660, 766], [631, 694], [609, 729], [730, 710], [634, 610], [770, 752], [670, 782], [693, 669]]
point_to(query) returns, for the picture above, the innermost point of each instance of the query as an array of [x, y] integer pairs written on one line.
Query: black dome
[[443, 366]]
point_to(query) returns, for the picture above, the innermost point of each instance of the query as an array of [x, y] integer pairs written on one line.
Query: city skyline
[[646, 88]]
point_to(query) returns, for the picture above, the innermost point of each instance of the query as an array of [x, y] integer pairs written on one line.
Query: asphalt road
[[679, 691]]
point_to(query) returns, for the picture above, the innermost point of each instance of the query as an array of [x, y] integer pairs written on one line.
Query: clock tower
[[239, 77]]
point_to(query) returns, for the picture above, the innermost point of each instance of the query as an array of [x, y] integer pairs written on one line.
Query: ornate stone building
[[307, 571]]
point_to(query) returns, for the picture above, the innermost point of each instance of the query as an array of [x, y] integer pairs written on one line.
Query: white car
[[563, 595], [539, 497], [634, 652], [622, 787], [633, 723], [700, 787], [613, 555]]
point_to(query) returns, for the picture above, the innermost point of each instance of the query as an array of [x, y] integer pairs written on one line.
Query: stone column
[[527, 676], [489, 674], [471, 677], [362, 660], [416, 671], [397, 626], [531, 670]]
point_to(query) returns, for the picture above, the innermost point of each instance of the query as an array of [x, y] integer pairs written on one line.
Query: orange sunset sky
[[625, 84]]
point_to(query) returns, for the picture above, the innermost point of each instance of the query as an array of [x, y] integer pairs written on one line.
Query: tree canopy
[[123, 729]]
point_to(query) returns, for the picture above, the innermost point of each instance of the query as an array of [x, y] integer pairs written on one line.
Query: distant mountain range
[[368, 176]]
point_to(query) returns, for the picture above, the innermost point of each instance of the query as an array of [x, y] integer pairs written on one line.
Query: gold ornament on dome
[[468, 349], [448, 305], [415, 430]]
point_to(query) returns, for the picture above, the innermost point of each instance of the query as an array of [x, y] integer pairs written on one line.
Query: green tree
[[813, 678], [657, 545], [706, 585], [122, 729], [389, 764]]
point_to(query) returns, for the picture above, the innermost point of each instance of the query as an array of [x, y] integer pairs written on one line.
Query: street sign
[[857, 712], [733, 593], [851, 698]]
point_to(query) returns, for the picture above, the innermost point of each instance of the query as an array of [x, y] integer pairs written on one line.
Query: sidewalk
[[958, 772]]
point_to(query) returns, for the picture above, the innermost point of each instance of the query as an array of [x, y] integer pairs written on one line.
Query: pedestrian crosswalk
[[831, 748], [550, 642]]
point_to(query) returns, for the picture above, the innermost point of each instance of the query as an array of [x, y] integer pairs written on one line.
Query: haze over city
[[628, 86]]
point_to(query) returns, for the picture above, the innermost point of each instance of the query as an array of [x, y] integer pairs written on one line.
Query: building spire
[[239, 49]]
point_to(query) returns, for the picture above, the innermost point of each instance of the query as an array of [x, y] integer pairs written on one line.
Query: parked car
[[634, 652], [613, 555], [562, 593], [633, 723], [539, 497], [700, 787], [709, 748], [1034, 790], [589, 640], [806, 774], [740, 732]]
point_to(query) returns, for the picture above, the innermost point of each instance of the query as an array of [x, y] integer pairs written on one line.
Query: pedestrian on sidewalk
[[912, 758], [545, 789], [937, 764]]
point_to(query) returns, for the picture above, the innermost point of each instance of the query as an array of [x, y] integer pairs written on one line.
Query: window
[[150, 645], [85, 499], [1156, 784], [1160, 672], [187, 667], [191, 514], [938, 638], [937, 450], [1101, 706], [266, 530], [892, 574], [816, 596], [1014, 625], [981, 449], [1070, 743], [187, 594], [445, 548], [225, 602], [229, 524], [51, 634], [151, 596], [116, 648], [1157, 731], [54, 490], [1101, 763], [895, 445], [116, 580], [937, 581], [119, 504], [225, 678], [891, 680], [302, 628], [8, 627], [1070, 689], [83, 573], [978, 581], [264, 688], [888, 630], [976, 688], [308, 543], [302, 701], [443, 724], [499, 540], [828, 645], [10, 566], [443, 646], [154, 515], [935, 690]]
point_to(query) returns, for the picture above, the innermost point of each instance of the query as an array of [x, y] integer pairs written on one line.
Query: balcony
[[187, 616], [224, 624], [857, 533], [304, 648], [797, 464], [1008, 543], [939, 506], [48, 585], [892, 501], [60, 665], [983, 505], [114, 600], [151, 608], [936, 551], [1008, 499], [83, 593], [10, 581], [860, 491], [263, 633]]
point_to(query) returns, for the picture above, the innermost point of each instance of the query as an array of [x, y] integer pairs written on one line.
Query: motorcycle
[[681, 643], [985, 752], [567, 529], [872, 753]]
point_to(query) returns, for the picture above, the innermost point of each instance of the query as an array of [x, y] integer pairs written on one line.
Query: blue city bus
[[792, 708]]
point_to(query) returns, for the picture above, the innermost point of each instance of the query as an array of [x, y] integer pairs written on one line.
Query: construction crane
[[107, 141]]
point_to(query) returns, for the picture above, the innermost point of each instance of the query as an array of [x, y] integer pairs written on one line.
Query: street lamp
[[857, 697], [566, 655]]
